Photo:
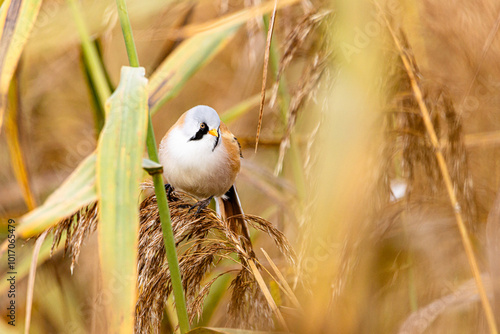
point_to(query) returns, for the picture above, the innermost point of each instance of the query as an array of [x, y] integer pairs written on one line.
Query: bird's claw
[[169, 189], [201, 205]]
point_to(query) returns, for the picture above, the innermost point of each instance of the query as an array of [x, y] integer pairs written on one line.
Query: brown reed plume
[[311, 76], [202, 241], [420, 169]]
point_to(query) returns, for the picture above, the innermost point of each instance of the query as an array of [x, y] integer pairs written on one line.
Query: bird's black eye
[[203, 125]]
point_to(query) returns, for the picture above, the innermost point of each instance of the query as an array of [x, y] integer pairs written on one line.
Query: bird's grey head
[[202, 122]]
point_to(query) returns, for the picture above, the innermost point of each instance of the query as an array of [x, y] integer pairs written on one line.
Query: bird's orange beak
[[214, 133]]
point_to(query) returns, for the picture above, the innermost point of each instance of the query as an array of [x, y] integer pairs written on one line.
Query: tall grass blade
[[15, 151], [127, 33], [118, 172], [31, 281], [213, 300], [16, 21], [77, 191], [98, 108], [91, 55]]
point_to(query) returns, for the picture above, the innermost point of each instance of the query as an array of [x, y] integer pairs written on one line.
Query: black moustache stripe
[[201, 132], [216, 140]]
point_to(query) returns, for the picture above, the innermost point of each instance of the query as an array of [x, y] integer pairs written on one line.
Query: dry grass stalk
[[283, 284], [267, 294], [264, 73], [293, 42], [417, 92], [312, 75]]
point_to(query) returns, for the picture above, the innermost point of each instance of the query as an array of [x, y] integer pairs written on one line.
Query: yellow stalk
[[446, 176], [15, 152]]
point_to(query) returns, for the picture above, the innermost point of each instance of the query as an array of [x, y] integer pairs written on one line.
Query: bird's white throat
[[193, 164]]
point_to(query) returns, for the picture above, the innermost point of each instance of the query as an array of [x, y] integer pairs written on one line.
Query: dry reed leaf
[[77, 191], [283, 284], [482, 139], [267, 294], [17, 18], [31, 280]]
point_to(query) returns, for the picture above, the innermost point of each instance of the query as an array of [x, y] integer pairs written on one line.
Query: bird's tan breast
[[232, 147]]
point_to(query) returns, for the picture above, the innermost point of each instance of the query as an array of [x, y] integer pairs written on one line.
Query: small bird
[[201, 157]]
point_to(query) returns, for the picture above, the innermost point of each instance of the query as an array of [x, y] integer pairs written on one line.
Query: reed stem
[[90, 53], [161, 197]]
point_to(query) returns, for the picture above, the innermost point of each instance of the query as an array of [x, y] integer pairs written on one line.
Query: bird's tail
[[229, 206]]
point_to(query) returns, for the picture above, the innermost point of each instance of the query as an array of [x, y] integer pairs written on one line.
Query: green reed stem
[[161, 197], [127, 33], [90, 53], [168, 235]]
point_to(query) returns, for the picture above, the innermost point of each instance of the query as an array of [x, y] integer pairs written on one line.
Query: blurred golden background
[[359, 192]]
